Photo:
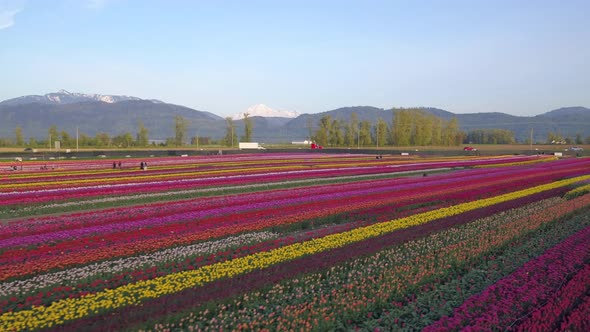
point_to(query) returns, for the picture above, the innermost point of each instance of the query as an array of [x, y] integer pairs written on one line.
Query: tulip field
[[296, 242]]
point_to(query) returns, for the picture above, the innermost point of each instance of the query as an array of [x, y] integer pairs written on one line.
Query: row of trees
[[490, 136], [408, 127], [102, 139], [67, 140]]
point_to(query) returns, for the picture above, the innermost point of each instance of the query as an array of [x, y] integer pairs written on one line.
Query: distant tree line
[[100, 140], [408, 127], [413, 127], [490, 136]]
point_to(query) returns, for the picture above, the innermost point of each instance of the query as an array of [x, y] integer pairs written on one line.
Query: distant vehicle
[[576, 148], [469, 148], [250, 145], [30, 150]]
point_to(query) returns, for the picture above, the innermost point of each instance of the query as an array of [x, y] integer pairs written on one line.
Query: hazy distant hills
[[565, 121], [118, 114]]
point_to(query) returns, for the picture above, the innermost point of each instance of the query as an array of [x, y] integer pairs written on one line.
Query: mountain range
[[64, 97], [94, 113]]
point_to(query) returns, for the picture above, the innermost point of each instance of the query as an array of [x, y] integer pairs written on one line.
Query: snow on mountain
[[66, 97], [265, 111]]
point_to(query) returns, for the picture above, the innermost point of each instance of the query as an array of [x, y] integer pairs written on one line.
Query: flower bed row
[[134, 293], [157, 185], [577, 320], [560, 305], [337, 295], [41, 226], [527, 288], [39, 288], [143, 180], [76, 226], [75, 282], [96, 169], [82, 250], [579, 191], [440, 297], [171, 196], [47, 224]]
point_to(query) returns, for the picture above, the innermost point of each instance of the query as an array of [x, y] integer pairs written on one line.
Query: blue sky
[[517, 57]]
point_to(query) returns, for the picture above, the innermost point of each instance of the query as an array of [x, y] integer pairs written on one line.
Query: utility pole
[[377, 132], [531, 139], [358, 137]]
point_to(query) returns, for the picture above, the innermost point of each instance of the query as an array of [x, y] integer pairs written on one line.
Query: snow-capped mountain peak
[[66, 97], [265, 111]]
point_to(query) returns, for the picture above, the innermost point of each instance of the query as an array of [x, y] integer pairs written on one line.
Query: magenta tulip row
[[513, 297], [569, 297]]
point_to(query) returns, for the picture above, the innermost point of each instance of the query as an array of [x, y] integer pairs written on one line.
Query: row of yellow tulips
[[520, 163], [579, 190]]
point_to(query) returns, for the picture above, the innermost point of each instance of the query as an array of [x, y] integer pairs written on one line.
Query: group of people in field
[[143, 165]]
